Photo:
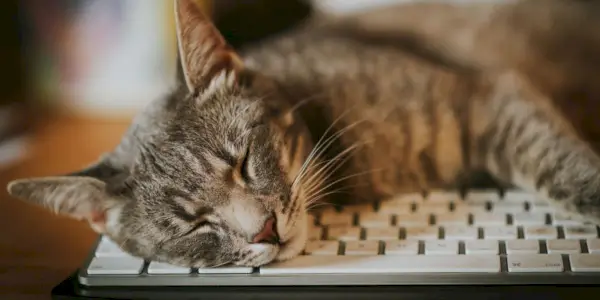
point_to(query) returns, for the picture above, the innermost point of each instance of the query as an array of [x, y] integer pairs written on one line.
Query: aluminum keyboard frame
[[379, 279]]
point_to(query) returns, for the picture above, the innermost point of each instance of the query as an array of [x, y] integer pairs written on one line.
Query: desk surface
[[37, 249]]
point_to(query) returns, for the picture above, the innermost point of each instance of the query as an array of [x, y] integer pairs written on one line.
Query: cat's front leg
[[530, 144]]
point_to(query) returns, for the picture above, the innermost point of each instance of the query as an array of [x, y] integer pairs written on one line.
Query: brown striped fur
[[409, 103]]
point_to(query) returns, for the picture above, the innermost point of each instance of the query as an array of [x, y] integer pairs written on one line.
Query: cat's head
[[202, 178]]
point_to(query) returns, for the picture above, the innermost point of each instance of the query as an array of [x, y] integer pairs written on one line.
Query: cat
[[224, 169]]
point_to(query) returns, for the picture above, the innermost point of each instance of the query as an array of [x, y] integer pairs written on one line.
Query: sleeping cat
[[224, 169]]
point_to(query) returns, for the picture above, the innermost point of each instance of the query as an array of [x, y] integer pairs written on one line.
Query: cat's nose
[[268, 234]]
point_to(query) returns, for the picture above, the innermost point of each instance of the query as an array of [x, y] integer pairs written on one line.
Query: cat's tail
[[557, 42]]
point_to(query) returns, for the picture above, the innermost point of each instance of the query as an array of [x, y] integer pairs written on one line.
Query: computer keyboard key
[[518, 197], [502, 207], [544, 209], [375, 220], [563, 246], [441, 247], [411, 220], [108, 248], [343, 233], [482, 247], [442, 197], [433, 208], [463, 208], [341, 219], [311, 220], [401, 247], [580, 232], [328, 211], [529, 218], [500, 232], [482, 197], [362, 248], [540, 232], [229, 269], [315, 233], [406, 198], [397, 264], [532, 263], [422, 233], [522, 247], [461, 233], [322, 248], [585, 262], [487, 219], [115, 266], [358, 208], [390, 233], [449, 219], [593, 245], [395, 208], [163, 268], [565, 220]]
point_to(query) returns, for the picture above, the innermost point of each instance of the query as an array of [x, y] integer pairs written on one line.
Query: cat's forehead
[[224, 108]]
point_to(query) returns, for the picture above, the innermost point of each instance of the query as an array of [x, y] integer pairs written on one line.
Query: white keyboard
[[438, 239]]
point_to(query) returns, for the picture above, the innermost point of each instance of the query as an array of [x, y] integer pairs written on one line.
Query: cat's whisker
[[305, 100], [321, 148], [317, 205], [313, 181], [346, 178], [313, 202], [316, 148], [220, 264], [330, 167]]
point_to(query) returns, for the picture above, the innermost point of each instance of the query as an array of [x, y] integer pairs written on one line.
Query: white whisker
[[317, 148], [329, 168], [344, 178]]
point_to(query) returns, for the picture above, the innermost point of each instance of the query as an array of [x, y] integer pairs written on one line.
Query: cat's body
[[419, 123], [414, 123], [223, 170]]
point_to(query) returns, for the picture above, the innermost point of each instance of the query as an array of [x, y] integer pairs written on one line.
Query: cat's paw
[[579, 199]]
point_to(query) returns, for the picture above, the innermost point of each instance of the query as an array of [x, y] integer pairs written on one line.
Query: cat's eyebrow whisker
[[331, 166], [320, 149], [345, 178], [313, 181], [312, 202], [318, 144]]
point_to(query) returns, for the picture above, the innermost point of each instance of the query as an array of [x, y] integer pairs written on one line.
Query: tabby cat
[[224, 169]]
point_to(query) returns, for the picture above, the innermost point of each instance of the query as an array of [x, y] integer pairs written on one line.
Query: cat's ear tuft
[[204, 53], [81, 198]]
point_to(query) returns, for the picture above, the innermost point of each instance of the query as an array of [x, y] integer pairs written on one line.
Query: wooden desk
[[37, 249]]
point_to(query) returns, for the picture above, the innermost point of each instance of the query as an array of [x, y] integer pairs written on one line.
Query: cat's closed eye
[[202, 223], [241, 174]]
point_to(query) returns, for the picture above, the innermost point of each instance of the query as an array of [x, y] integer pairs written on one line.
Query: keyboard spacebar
[[325, 264]]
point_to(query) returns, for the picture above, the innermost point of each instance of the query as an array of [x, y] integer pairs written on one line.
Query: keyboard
[[442, 238]]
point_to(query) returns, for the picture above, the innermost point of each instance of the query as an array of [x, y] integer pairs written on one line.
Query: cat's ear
[[104, 170], [203, 52], [82, 198]]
